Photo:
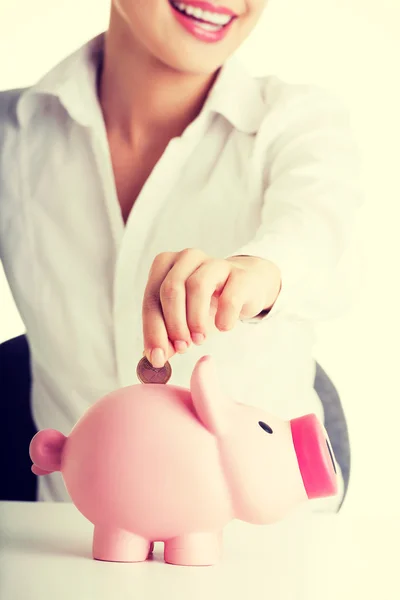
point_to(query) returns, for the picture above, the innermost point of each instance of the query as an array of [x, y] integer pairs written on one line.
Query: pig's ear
[[45, 451], [210, 403]]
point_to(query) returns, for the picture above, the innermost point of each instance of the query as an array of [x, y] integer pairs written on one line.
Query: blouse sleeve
[[310, 204]]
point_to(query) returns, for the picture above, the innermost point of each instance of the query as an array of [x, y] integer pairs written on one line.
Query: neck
[[141, 97]]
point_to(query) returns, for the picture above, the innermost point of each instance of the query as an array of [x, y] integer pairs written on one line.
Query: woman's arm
[[307, 217], [310, 204]]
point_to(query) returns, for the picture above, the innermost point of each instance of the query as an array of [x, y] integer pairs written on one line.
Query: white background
[[351, 47]]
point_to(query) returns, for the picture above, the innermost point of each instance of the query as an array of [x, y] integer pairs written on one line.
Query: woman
[[157, 197]]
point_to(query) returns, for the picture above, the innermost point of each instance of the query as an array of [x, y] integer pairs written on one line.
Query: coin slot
[[266, 427], [331, 455]]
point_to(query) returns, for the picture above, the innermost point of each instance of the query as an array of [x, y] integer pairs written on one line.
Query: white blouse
[[267, 169]]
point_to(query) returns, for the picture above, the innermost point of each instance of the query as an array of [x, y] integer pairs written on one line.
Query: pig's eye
[[264, 426]]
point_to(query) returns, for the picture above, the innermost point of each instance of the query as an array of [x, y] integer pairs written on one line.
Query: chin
[[194, 65]]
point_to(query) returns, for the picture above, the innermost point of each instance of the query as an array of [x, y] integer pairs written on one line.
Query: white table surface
[[45, 554]]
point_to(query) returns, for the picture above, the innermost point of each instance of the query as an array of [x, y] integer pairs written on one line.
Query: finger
[[232, 300], [156, 343], [173, 297], [201, 289]]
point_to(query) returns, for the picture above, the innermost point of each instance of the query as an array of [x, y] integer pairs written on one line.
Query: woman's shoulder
[[10, 148], [291, 107], [281, 94], [8, 108], [9, 131]]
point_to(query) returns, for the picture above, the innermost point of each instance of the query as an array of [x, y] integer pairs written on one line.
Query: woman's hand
[[189, 293]]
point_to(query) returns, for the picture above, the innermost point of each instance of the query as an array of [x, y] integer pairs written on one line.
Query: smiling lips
[[203, 20]]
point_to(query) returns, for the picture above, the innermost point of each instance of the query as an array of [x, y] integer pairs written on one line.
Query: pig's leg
[[194, 549], [117, 545]]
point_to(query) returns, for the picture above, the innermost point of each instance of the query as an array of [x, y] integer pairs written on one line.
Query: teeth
[[210, 27], [204, 15]]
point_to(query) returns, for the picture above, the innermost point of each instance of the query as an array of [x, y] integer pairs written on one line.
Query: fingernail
[[157, 358], [198, 338], [180, 346]]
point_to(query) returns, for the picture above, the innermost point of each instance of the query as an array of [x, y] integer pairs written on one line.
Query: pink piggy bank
[[159, 463]]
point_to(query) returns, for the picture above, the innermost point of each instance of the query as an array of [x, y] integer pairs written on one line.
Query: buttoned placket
[[129, 241]]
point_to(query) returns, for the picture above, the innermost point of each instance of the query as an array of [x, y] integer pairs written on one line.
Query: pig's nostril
[[330, 454], [264, 426]]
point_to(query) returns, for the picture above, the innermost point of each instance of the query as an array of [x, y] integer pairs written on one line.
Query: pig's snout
[[315, 457], [45, 451]]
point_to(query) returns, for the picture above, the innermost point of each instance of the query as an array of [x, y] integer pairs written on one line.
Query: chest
[[131, 168], [86, 273], [67, 246]]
